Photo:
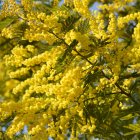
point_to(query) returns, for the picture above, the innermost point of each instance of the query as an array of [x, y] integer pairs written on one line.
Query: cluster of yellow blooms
[[82, 7], [58, 85], [42, 24], [10, 8], [83, 39]]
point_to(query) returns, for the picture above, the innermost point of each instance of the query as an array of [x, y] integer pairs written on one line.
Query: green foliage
[[104, 101]]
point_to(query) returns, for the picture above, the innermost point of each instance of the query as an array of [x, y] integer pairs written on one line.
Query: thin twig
[[73, 48], [122, 91]]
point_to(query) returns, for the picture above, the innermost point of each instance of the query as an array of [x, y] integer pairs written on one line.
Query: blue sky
[[94, 7]]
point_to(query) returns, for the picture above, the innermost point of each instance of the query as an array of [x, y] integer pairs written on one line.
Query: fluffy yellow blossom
[[68, 71], [82, 7], [7, 32]]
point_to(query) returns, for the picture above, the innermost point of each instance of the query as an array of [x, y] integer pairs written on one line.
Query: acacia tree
[[70, 71]]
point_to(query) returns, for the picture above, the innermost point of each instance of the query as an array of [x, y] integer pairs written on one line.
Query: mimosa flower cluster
[[67, 66]]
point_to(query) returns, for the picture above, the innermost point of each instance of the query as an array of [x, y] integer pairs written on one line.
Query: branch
[[83, 57], [121, 89], [73, 48], [133, 75]]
